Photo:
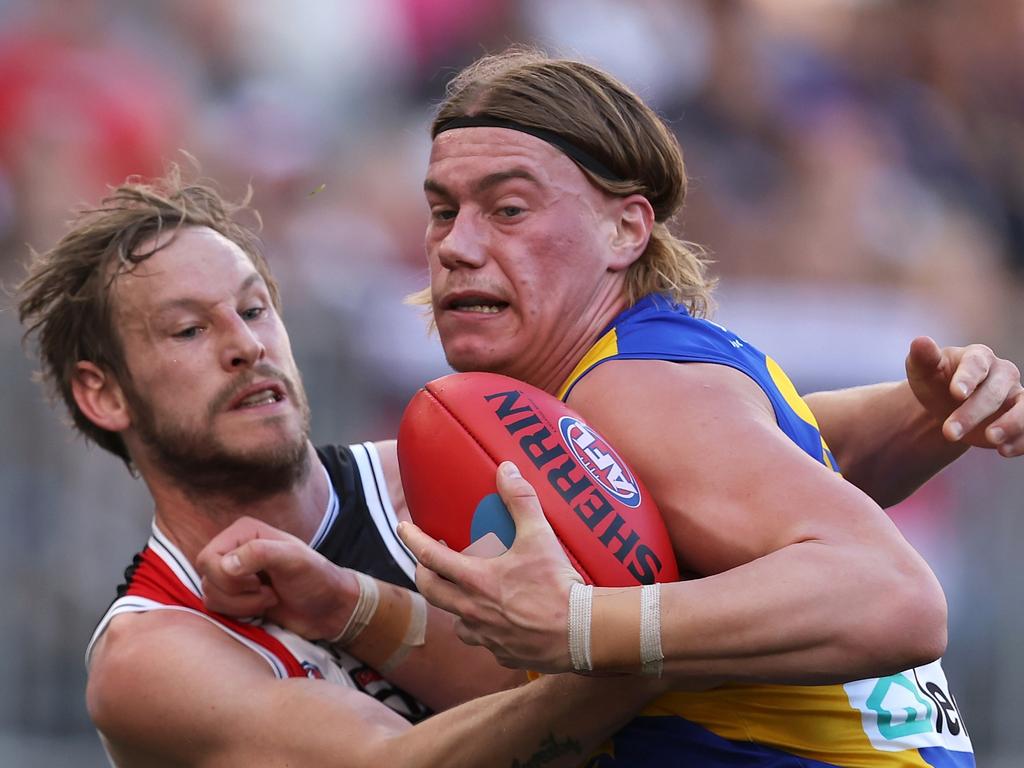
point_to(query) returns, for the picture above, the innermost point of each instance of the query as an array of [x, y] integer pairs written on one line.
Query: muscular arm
[[883, 439], [890, 438], [253, 569], [805, 579], [169, 689]]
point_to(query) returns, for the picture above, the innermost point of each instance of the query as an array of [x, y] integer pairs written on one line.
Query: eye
[[442, 214], [253, 313], [510, 211], [191, 332]]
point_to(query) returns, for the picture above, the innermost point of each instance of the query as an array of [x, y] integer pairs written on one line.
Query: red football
[[457, 429]]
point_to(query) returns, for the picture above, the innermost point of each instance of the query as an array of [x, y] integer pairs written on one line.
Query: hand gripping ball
[[457, 429]]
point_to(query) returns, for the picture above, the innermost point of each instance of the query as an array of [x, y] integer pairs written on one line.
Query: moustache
[[260, 372]]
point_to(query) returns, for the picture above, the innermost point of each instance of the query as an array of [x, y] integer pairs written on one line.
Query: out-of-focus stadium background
[[857, 169]]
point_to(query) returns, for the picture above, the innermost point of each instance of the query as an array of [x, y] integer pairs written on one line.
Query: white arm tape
[[651, 655], [581, 605]]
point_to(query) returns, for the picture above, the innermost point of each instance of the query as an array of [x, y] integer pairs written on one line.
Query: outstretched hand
[[253, 569], [976, 395], [515, 604]]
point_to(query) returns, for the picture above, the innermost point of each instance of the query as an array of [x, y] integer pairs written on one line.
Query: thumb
[[259, 556], [924, 358], [520, 498]]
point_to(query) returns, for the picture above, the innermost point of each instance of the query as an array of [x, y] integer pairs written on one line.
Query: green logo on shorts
[[916, 722]]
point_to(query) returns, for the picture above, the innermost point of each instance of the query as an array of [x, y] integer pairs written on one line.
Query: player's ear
[[100, 397], [633, 225]]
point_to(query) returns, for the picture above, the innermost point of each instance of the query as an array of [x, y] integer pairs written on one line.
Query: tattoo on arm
[[550, 750]]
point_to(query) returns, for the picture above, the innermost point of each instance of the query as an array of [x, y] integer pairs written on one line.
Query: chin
[[467, 361]]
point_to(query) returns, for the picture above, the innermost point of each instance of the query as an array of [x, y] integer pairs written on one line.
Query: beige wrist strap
[[415, 633], [386, 624], [366, 607]]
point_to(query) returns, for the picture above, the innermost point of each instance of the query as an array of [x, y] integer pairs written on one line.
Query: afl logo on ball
[[597, 457]]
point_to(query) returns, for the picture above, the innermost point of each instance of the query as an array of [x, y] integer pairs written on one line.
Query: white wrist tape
[[415, 633], [366, 606], [581, 605], [651, 656]]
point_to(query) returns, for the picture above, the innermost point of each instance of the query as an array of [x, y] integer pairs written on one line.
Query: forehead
[[194, 263], [463, 154]]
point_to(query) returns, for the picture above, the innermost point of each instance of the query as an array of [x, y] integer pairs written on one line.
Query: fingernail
[[996, 435], [231, 563], [962, 389], [956, 430], [510, 470]]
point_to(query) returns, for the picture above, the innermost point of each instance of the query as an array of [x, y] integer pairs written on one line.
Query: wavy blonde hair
[[600, 115]]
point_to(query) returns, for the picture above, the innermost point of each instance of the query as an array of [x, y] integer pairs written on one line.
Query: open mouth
[[259, 396], [483, 305]]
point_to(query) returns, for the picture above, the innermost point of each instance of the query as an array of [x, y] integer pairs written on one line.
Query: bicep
[[178, 690], [731, 485]]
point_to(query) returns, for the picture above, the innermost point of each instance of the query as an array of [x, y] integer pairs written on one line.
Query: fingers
[[986, 400], [240, 531], [466, 635], [994, 385], [234, 564], [1007, 432], [433, 555], [440, 592], [973, 367], [247, 602], [259, 556]]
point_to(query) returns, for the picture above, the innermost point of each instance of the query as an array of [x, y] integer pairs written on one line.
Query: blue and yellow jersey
[[906, 720]]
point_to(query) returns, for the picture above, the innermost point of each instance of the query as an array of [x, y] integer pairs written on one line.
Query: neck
[[563, 357], [190, 520]]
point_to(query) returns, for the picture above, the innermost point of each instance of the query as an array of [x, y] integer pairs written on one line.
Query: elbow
[[911, 628], [934, 620], [929, 634]]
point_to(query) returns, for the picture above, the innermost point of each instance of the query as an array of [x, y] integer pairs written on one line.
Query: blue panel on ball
[[491, 516]]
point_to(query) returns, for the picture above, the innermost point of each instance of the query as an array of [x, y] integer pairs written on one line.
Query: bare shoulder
[[388, 452], [146, 676], [171, 688]]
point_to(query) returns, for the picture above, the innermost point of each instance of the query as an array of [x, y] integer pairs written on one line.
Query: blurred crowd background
[[857, 171]]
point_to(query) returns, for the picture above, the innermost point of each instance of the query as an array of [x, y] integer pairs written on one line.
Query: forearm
[[444, 671], [441, 670], [883, 439], [554, 721], [811, 613], [215, 703]]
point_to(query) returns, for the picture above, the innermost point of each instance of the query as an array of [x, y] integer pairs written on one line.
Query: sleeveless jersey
[[907, 720], [357, 531]]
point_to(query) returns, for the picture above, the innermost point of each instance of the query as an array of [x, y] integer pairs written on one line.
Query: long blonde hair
[[595, 112]]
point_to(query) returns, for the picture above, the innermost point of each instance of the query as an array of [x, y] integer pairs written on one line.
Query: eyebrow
[[488, 182], [187, 303]]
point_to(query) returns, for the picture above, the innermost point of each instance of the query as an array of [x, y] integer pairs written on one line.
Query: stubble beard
[[202, 466]]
